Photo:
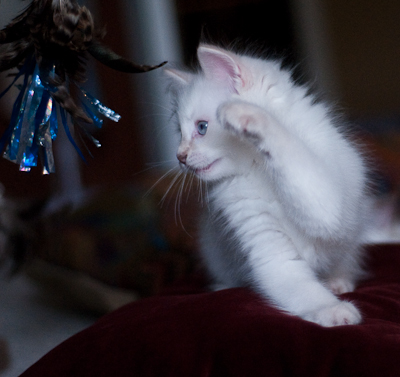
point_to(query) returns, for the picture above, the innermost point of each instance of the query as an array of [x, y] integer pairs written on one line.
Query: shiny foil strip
[[34, 122]]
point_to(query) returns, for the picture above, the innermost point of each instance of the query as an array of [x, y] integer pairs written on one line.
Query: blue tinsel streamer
[[26, 70], [34, 125]]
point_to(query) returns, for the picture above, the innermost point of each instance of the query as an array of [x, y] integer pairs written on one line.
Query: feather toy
[[49, 43]]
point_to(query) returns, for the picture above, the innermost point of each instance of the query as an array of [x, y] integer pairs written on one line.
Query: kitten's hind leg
[[347, 272], [345, 279], [339, 285], [220, 286]]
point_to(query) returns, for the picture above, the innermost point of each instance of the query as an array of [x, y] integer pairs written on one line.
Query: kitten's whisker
[[192, 176], [178, 200], [180, 193], [204, 187], [177, 197], [200, 186], [161, 163], [159, 180], [172, 188], [179, 173], [207, 196], [153, 165]]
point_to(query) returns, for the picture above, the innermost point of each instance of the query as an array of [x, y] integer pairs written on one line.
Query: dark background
[[362, 37]]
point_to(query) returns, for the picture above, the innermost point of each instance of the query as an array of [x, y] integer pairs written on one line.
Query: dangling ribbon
[[34, 121]]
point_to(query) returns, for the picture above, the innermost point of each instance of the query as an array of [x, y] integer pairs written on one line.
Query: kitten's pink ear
[[219, 66], [179, 77]]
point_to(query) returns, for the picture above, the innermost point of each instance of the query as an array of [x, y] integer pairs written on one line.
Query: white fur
[[288, 199]]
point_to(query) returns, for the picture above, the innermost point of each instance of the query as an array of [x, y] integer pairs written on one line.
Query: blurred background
[[118, 243], [348, 49]]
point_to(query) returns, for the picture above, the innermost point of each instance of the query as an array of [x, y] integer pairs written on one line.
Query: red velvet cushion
[[232, 332]]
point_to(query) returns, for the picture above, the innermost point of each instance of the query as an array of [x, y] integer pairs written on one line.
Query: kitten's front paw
[[343, 313], [241, 119]]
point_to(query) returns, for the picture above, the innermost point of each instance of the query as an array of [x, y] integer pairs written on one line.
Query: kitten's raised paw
[[343, 313], [242, 119]]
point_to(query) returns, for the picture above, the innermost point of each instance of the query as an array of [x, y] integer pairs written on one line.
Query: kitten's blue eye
[[202, 127]]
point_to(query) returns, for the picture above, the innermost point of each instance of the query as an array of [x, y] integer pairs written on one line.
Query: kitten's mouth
[[207, 168]]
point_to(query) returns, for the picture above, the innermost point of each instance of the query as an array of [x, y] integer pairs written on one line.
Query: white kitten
[[288, 199]]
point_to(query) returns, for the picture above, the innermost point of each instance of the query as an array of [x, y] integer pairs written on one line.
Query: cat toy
[[49, 43]]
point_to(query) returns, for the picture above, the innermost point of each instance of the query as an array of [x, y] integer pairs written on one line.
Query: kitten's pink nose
[[182, 158]]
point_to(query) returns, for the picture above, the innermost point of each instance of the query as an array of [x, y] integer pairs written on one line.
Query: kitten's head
[[206, 148]]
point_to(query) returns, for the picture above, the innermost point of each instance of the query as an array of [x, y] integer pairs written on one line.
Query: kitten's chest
[[249, 203], [247, 198]]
